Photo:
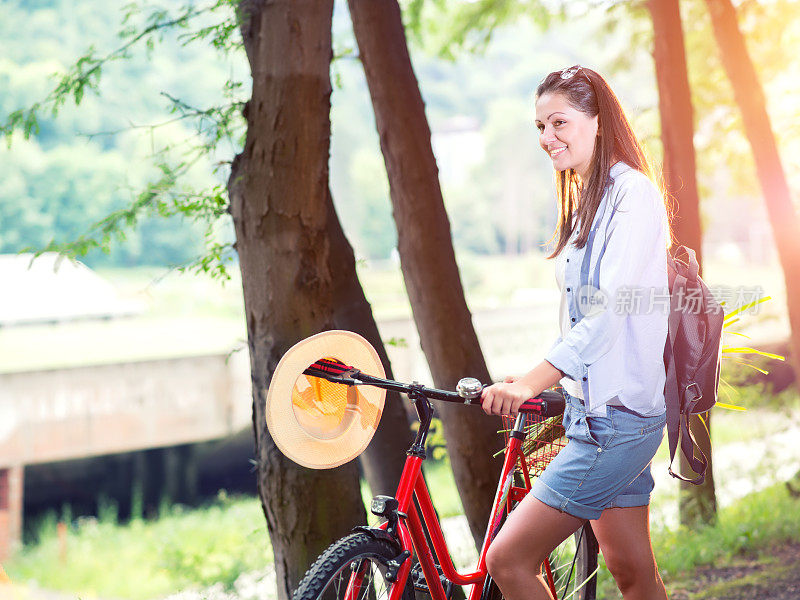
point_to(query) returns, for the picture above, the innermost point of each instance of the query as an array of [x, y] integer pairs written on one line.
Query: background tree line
[[102, 149]]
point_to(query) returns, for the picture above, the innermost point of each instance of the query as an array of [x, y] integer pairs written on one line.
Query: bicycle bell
[[469, 388]]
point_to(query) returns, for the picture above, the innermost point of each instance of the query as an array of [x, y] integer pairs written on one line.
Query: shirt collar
[[618, 168]]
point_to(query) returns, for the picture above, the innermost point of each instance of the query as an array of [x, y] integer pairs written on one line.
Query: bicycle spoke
[[578, 588]]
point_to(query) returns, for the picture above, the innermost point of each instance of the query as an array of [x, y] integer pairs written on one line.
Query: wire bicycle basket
[[544, 439]]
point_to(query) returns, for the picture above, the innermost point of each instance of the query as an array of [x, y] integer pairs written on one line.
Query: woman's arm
[[505, 398]]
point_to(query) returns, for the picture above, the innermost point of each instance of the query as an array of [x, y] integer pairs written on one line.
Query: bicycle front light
[[384, 506]]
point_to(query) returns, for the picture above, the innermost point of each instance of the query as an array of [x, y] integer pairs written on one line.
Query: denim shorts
[[605, 464]]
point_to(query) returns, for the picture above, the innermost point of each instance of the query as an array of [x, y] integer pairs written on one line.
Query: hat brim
[[305, 435]]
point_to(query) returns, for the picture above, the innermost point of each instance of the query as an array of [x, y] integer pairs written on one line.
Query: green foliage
[[64, 190], [168, 88], [128, 212], [756, 395], [724, 157], [396, 342], [435, 444], [376, 235], [442, 486], [733, 381], [753, 523], [449, 26], [147, 559], [84, 74]]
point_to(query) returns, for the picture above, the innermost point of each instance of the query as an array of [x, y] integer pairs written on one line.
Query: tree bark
[[697, 502], [427, 258], [384, 458], [750, 97], [677, 122], [279, 201]]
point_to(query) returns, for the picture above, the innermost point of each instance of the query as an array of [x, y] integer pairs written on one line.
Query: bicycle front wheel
[[353, 568], [573, 566]]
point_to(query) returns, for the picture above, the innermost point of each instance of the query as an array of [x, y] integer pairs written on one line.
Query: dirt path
[[773, 575]]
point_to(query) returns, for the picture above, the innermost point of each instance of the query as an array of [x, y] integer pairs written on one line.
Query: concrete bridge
[[62, 414]]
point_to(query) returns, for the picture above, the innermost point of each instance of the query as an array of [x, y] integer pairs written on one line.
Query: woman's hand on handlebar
[[505, 398]]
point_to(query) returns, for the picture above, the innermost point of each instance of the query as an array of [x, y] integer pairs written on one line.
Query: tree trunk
[[432, 280], [677, 122], [385, 456], [782, 215], [279, 201], [697, 502]]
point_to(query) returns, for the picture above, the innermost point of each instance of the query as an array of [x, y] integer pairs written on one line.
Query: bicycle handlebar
[[548, 404]]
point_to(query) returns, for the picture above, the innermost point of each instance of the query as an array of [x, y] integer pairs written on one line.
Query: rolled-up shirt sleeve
[[630, 248]]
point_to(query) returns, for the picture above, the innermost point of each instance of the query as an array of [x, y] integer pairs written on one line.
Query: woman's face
[[566, 134]]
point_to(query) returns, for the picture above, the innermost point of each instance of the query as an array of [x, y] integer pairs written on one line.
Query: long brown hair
[[588, 92]]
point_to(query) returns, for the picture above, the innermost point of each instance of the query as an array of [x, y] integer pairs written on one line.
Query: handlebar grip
[[547, 404]]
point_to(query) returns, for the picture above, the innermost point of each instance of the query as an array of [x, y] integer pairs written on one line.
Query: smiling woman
[[612, 238]]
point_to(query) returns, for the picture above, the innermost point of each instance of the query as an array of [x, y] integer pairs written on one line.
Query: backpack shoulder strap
[[691, 264], [678, 427]]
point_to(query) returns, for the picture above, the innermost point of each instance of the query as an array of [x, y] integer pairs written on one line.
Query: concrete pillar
[[10, 509]]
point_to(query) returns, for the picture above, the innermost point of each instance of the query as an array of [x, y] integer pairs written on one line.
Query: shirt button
[[573, 319], [567, 289], [567, 260], [584, 378]]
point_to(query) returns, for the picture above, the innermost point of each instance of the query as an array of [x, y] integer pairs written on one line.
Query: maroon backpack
[[692, 357]]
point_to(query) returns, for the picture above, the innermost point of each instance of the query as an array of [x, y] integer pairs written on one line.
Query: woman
[[610, 252]]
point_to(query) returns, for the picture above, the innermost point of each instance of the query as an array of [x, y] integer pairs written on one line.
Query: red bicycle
[[408, 553]]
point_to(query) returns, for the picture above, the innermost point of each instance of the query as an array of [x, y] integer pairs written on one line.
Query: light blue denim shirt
[[618, 300]]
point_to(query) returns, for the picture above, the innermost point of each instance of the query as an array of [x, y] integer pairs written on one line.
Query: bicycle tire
[[328, 577], [574, 567]]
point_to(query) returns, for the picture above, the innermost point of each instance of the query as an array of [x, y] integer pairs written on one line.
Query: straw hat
[[317, 423]]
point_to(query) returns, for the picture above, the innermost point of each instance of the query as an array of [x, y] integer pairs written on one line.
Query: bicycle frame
[[412, 533]]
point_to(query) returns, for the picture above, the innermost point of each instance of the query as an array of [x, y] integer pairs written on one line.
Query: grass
[[180, 549], [754, 523], [749, 526], [148, 559], [754, 584], [212, 545]]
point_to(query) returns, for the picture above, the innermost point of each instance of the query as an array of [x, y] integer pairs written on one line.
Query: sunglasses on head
[[570, 72]]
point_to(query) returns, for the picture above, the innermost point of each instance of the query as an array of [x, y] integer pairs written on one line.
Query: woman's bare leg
[[624, 538], [531, 533]]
